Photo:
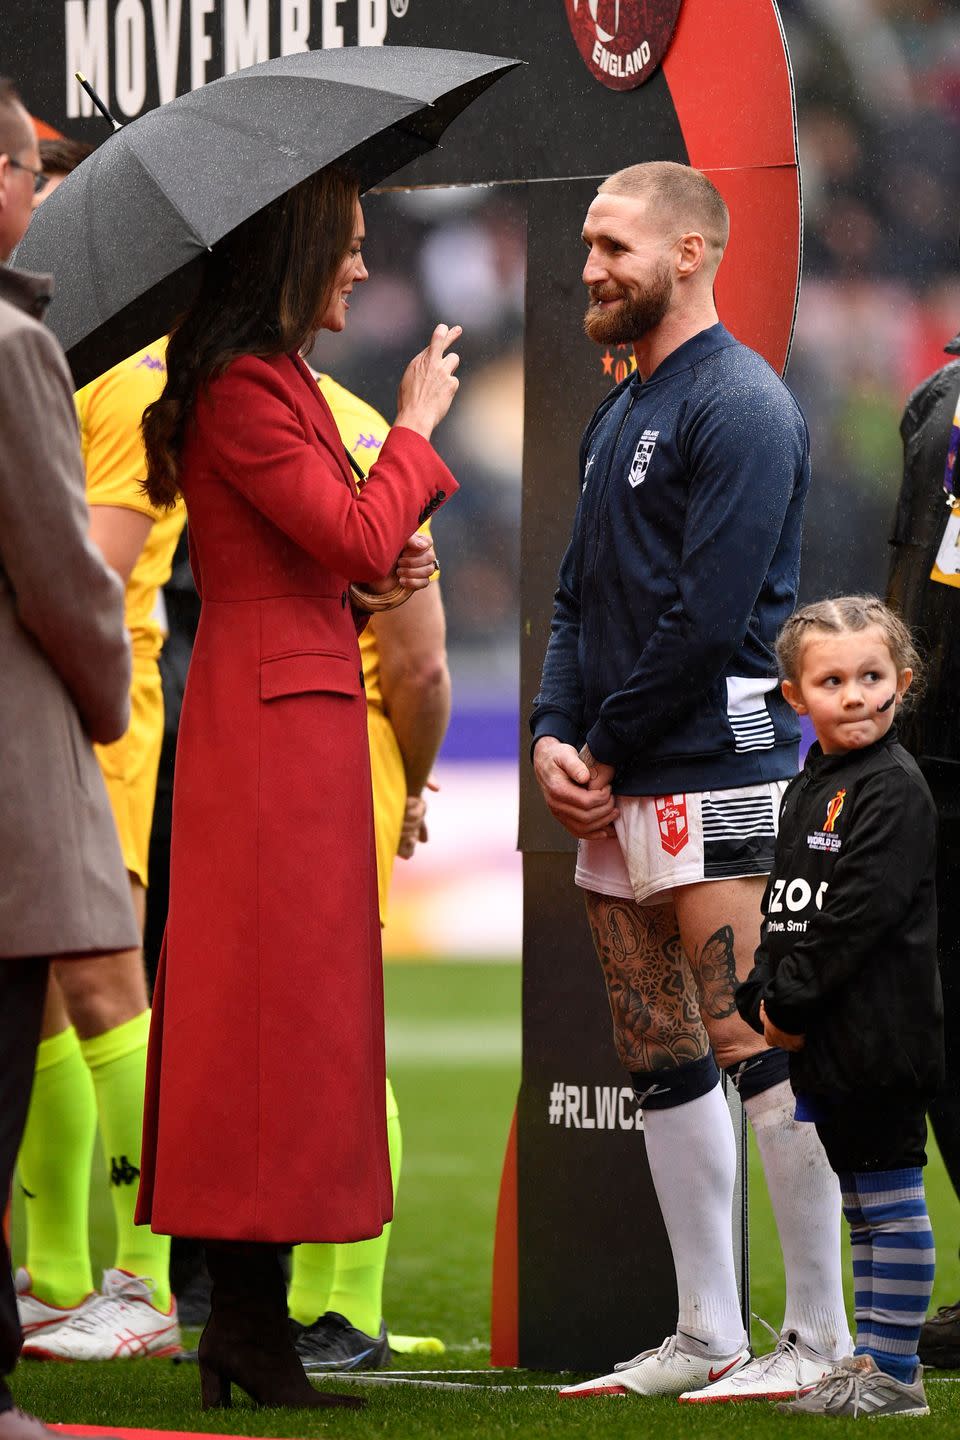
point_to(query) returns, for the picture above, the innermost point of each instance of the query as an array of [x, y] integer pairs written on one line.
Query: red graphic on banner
[[622, 41], [672, 819]]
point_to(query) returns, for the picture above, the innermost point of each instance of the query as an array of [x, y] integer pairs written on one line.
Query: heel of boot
[[214, 1389]]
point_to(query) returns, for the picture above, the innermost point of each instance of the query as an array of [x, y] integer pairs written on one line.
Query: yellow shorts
[[130, 767], [389, 798]]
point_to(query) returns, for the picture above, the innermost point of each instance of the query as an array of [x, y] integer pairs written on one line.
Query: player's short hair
[[13, 132], [63, 155], [833, 617], [679, 192]]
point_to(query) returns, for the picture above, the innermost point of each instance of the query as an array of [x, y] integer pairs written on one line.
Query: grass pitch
[[454, 1060]]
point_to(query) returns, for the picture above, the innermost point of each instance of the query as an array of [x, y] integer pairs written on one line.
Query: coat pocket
[[310, 670]]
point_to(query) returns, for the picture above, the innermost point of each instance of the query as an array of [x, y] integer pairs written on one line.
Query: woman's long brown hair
[[264, 288]]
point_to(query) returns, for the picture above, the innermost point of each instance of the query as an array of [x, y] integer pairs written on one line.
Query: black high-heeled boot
[[247, 1341]]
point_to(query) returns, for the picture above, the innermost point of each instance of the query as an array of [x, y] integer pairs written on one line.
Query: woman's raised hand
[[429, 383]]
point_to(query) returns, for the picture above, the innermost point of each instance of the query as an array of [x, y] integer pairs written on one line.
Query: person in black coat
[[928, 599], [846, 978]]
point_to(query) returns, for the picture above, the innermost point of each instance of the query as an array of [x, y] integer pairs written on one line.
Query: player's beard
[[635, 316]]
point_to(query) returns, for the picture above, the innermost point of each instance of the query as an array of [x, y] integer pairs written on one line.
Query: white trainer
[[667, 1371], [781, 1375], [122, 1323], [36, 1314]]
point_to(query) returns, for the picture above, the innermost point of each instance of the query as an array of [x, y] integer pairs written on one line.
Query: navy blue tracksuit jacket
[[683, 565]]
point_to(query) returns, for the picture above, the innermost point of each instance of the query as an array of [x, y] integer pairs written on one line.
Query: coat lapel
[[320, 416]]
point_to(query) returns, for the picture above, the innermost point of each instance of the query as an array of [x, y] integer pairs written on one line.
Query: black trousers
[[23, 985], [874, 1132], [945, 1108]]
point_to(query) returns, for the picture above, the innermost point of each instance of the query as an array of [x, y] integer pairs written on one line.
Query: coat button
[[343, 600], [441, 495]]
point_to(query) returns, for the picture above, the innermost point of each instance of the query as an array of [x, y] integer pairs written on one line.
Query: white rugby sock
[[693, 1160], [805, 1194]]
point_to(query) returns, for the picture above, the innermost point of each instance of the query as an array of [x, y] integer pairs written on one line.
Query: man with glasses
[[65, 661], [39, 179]]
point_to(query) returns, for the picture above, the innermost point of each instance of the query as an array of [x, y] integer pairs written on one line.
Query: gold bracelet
[[371, 601]]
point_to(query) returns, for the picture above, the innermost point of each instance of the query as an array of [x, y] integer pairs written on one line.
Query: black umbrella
[[123, 234]]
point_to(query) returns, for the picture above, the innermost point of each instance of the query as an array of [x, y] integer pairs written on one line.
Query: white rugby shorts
[[665, 841]]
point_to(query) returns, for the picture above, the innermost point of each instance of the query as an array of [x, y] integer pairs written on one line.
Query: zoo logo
[[622, 42]]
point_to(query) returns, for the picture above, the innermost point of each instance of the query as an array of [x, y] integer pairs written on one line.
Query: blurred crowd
[[878, 104]]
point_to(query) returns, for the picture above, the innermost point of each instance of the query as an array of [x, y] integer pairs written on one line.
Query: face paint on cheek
[[886, 704]]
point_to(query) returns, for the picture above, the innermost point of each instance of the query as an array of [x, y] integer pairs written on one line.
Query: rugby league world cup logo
[[622, 41]]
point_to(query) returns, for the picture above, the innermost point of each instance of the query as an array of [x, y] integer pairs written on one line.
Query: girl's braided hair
[[846, 612]]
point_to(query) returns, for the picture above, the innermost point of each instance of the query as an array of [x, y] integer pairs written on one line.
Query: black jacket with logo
[[848, 948], [683, 565]]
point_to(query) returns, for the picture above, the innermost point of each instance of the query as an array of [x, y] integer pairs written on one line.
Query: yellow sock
[[56, 1155], [348, 1278], [118, 1064]]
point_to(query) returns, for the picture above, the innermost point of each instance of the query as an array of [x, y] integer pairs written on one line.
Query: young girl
[[846, 978]]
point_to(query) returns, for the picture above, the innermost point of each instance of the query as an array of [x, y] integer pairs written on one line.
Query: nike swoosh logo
[[719, 1374]]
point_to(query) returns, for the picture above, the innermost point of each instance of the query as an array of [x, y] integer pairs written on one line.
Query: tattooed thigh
[[714, 967], [652, 993]]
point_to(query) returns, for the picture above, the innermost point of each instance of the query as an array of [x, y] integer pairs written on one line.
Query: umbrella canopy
[[124, 233]]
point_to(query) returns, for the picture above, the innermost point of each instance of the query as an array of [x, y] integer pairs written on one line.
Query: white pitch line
[[435, 1384], [486, 1370]]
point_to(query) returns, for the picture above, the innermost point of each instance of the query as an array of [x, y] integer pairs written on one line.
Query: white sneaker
[[122, 1323], [777, 1376], [667, 1371], [36, 1314]]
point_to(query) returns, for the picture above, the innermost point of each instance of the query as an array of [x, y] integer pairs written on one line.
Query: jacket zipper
[[606, 481]]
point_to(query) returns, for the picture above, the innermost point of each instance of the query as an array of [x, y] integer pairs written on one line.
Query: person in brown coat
[[65, 662]]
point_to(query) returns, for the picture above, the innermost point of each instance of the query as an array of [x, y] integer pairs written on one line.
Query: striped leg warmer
[[893, 1265]]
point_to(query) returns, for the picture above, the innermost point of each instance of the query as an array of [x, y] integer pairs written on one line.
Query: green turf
[[454, 1043]]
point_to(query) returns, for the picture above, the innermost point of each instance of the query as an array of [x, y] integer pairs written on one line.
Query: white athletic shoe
[[36, 1314], [122, 1323], [667, 1371], [781, 1375]]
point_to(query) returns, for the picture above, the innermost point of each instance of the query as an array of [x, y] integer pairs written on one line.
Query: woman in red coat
[[265, 1118]]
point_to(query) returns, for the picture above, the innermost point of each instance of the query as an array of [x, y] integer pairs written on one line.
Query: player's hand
[[413, 831], [429, 383], [587, 813], [780, 1038], [418, 561]]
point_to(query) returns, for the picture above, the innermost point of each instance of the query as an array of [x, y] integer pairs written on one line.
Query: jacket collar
[[698, 347], [819, 764], [952, 347], [30, 293]]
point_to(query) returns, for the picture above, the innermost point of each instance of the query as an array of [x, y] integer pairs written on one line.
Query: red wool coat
[[265, 1115]]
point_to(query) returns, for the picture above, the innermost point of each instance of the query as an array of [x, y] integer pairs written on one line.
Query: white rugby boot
[[667, 1371], [789, 1368], [122, 1323], [36, 1314]]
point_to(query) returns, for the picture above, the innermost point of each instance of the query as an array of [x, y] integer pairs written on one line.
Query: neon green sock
[[348, 1278], [118, 1064], [56, 1155]]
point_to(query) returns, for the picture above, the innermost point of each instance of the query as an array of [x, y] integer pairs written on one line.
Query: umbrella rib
[[191, 229]]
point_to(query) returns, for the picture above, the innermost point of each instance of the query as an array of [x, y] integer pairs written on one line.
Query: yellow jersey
[[109, 410]]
